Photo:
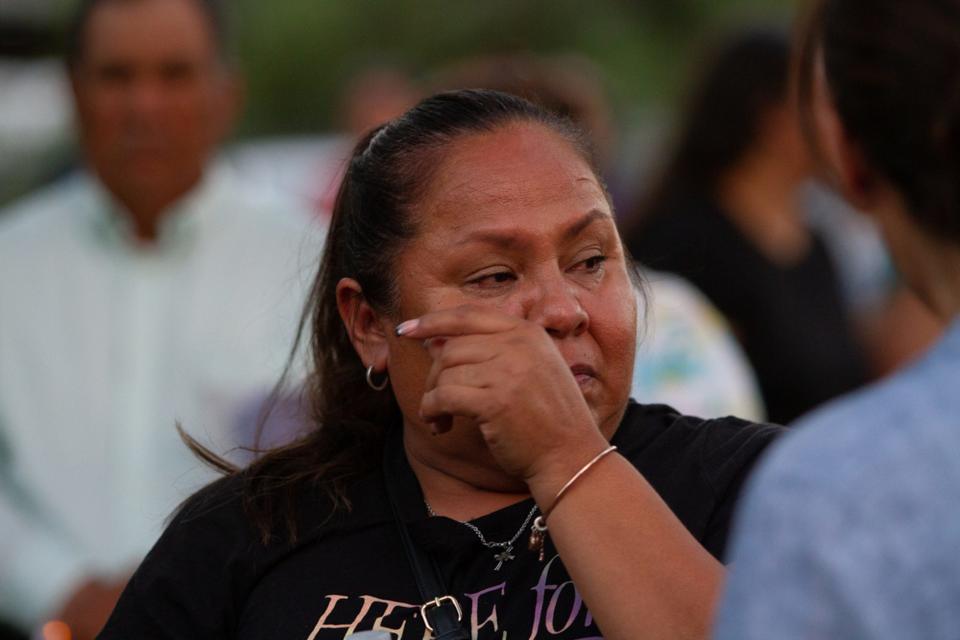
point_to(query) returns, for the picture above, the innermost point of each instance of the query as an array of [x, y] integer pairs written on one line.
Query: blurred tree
[[299, 53]]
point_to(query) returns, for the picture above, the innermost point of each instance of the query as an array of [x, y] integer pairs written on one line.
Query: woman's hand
[[507, 375], [637, 567]]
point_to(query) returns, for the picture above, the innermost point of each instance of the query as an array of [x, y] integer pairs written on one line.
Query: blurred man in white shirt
[[150, 289]]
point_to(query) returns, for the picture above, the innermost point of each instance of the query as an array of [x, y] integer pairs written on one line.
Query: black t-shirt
[[209, 576], [790, 319]]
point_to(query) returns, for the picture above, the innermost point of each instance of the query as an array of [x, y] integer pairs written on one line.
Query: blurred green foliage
[[298, 54]]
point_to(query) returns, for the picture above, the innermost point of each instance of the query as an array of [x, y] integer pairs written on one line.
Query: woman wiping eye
[[478, 402]]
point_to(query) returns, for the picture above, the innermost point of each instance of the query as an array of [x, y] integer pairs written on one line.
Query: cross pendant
[[502, 557]]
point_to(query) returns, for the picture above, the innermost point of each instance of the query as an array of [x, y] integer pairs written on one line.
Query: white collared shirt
[[106, 343]]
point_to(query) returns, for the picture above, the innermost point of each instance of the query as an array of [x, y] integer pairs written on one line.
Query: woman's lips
[[583, 373]]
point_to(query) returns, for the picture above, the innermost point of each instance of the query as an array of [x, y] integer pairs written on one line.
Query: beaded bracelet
[[539, 528]]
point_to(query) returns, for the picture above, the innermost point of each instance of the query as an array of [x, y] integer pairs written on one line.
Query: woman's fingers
[[452, 353], [478, 376], [442, 402], [458, 321]]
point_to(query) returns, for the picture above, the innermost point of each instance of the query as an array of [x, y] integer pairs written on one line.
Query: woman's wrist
[[560, 466]]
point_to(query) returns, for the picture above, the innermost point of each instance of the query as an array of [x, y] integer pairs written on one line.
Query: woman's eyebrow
[[507, 241], [577, 227], [499, 239]]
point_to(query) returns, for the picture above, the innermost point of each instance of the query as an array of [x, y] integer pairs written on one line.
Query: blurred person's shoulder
[[897, 436], [874, 472], [861, 497], [687, 355], [253, 203], [262, 224], [44, 216]]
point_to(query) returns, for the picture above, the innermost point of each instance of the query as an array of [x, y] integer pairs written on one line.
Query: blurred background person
[[726, 214], [686, 355], [892, 322], [149, 288], [376, 94], [309, 168], [850, 527]]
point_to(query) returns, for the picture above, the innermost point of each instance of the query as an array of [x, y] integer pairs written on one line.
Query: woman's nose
[[555, 306]]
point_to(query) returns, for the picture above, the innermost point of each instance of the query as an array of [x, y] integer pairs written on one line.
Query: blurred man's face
[[153, 98]]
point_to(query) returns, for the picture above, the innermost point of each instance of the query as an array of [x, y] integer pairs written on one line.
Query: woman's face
[[516, 220]]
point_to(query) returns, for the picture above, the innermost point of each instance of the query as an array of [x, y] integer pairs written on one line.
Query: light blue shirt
[[106, 343], [851, 527]]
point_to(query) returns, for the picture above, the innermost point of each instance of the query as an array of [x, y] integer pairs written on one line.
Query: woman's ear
[[846, 164], [364, 325], [857, 182]]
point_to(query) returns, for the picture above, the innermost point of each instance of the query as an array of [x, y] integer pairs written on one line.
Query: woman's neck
[[938, 272], [930, 265], [456, 488]]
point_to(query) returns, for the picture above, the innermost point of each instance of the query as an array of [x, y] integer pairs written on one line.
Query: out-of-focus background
[[300, 56], [120, 313]]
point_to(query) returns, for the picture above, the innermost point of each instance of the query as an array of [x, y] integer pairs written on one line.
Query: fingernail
[[406, 327]]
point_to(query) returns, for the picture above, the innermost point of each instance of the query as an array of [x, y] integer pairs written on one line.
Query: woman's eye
[[592, 264], [493, 280]]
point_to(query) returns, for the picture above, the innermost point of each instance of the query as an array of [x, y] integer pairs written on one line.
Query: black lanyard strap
[[441, 611]]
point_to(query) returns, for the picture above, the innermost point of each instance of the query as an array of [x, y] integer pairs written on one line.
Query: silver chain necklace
[[506, 548]]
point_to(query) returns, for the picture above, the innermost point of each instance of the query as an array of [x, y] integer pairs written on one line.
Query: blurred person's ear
[[364, 325], [845, 164], [854, 178]]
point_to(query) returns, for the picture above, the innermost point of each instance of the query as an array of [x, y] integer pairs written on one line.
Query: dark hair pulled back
[[893, 72], [374, 216]]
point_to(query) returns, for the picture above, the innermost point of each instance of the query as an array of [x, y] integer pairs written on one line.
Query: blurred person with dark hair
[[726, 215], [686, 356], [150, 288], [851, 528]]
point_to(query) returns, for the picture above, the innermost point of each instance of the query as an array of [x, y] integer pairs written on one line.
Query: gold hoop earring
[[373, 385]]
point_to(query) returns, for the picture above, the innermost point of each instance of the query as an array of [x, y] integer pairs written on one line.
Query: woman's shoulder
[[249, 507], [661, 426], [222, 499], [213, 527], [697, 465], [187, 584], [669, 447], [214, 551]]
